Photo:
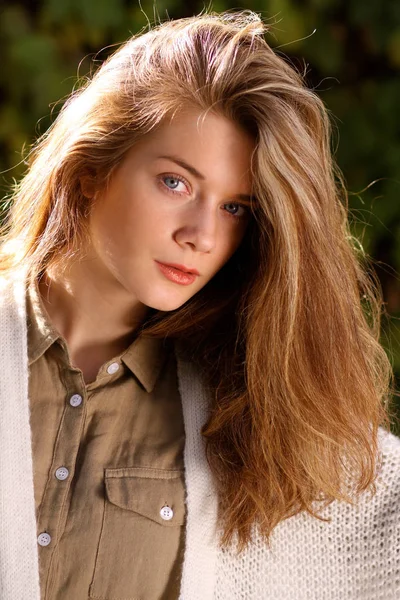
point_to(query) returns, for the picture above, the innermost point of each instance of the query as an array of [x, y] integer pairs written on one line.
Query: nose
[[198, 229]]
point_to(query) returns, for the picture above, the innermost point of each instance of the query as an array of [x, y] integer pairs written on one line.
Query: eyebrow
[[182, 163]]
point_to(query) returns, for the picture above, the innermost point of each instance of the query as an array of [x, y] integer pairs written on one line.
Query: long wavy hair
[[286, 334]]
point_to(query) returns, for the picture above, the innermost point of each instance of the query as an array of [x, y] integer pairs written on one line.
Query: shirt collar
[[144, 357], [41, 333]]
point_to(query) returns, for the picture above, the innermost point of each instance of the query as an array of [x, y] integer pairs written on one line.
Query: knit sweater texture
[[355, 556]]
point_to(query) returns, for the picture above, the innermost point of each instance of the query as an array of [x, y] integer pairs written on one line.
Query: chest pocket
[[140, 551]]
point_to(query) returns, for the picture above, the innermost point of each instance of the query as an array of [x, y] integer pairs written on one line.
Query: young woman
[[194, 402]]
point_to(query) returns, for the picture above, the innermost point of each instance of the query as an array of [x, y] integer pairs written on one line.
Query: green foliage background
[[350, 50]]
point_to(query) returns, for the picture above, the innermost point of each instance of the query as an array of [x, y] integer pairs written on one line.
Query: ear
[[88, 186]]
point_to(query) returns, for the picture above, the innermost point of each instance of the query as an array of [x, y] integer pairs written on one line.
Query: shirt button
[[166, 513], [113, 368], [62, 473], [44, 539], [75, 400]]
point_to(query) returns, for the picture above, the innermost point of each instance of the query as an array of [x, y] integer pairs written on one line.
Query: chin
[[166, 303], [166, 306]]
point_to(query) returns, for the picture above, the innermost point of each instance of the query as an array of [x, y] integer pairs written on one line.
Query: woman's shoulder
[[13, 287], [389, 443], [352, 551], [375, 514], [388, 480]]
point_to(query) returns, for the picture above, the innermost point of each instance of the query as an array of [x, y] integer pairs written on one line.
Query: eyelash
[[183, 180]]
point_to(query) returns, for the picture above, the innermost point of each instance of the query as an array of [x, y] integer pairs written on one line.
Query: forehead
[[217, 147]]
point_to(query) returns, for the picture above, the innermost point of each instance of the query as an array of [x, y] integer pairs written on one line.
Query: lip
[[180, 267], [175, 274]]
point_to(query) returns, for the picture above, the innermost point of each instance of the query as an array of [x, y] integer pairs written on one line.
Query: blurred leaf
[[31, 53], [14, 22], [57, 11], [393, 48]]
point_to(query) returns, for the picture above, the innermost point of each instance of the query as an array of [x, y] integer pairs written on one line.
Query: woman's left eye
[[236, 210]]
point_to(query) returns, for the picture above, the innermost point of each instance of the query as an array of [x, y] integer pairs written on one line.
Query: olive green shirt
[[108, 469]]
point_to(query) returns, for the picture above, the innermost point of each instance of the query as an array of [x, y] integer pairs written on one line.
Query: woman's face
[[181, 196]]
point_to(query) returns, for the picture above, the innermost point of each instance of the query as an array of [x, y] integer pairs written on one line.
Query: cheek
[[112, 217], [105, 228], [129, 234], [233, 241], [222, 258], [230, 245]]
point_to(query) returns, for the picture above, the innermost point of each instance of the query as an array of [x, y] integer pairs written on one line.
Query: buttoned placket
[[53, 512], [54, 506]]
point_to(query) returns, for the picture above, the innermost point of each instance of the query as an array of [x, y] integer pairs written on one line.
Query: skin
[[152, 210]]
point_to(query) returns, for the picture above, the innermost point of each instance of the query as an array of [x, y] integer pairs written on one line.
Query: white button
[[62, 473], [166, 513], [75, 400], [44, 539], [113, 368]]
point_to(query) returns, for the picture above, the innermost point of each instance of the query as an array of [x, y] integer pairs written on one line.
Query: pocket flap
[[146, 491]]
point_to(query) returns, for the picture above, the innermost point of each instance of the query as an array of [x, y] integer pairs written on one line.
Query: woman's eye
[[172, 182], [236, 210]]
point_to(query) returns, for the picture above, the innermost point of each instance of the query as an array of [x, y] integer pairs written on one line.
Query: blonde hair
[[286, 334]]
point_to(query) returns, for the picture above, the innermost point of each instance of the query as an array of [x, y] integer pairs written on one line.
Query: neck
[[95, 315]]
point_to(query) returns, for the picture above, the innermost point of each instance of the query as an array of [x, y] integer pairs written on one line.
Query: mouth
[[176, 274], [180, 268]]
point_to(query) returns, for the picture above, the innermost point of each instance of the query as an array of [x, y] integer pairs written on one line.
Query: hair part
[[286, 334]]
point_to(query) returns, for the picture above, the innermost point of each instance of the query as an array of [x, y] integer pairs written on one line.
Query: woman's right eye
[[171, 182]]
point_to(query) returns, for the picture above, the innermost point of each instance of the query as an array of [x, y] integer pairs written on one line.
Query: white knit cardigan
[[356, 556]]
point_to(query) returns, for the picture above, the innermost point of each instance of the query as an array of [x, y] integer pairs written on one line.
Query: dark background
[[350, 50]]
